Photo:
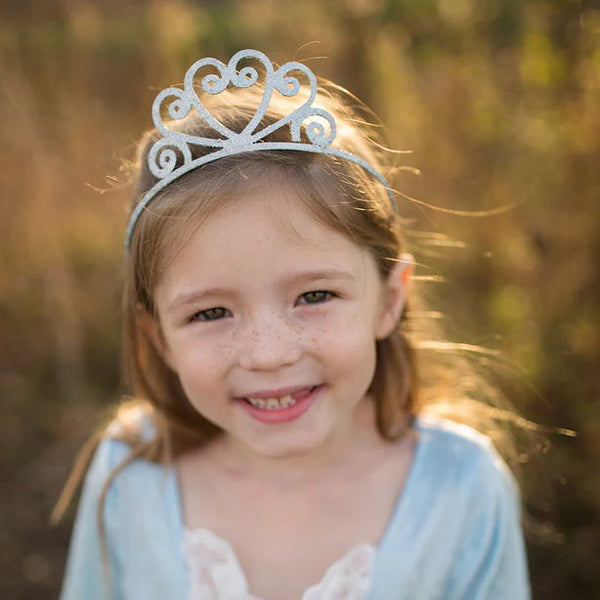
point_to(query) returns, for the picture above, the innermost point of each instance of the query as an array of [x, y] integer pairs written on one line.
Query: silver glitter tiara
[[170, 156]]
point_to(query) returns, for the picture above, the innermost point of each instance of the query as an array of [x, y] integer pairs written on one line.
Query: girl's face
[[270, 319]]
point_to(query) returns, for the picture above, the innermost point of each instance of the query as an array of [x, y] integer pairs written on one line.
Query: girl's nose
[[269, 343]]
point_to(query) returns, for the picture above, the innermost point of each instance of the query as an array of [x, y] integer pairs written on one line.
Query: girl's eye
[[210, 314], [315, 297]]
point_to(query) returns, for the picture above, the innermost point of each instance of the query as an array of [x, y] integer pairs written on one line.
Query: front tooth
[[258, 402], [272, 404], [286, 401]]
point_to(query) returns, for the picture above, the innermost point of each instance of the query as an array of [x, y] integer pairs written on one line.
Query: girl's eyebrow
[[327, 274], [194, 296], [330, 274]]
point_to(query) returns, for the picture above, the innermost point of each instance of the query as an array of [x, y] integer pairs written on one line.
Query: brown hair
[[339, 194]]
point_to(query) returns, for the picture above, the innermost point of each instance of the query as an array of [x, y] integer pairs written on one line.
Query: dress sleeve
[[85, 575], [492, 562]]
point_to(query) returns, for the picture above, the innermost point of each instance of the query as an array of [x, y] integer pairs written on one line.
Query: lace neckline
[[216, 573]]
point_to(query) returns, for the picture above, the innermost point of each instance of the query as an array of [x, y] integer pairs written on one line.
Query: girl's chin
[[282, 445], [287, 451]]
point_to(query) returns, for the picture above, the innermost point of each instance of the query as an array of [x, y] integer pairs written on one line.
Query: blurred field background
[[498, 99]]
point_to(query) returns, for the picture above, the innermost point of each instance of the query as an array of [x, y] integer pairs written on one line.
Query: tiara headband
[[163, 155]]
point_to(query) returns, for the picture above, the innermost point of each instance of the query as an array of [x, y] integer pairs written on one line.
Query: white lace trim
[[216, 573]]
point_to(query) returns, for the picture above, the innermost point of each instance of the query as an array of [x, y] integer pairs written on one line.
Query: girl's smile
[[270, 320], [280, 406]]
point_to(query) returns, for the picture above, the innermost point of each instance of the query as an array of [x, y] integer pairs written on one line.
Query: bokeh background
[[499, 100]]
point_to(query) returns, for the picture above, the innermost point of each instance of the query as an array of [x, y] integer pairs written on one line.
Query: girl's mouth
[[280, 409]]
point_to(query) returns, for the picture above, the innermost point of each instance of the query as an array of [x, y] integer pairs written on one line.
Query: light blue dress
[[455, 533]]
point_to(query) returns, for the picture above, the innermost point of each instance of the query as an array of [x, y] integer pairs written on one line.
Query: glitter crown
[[170, 156]]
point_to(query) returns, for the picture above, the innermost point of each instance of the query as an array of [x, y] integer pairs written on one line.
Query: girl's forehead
[[277, 212], [273, 211], [264, 229]]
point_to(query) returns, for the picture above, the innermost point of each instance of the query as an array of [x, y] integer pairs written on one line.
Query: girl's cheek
[[321, 338], [193, 352]]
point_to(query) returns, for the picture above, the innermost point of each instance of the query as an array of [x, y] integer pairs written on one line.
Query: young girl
[[278, 446]]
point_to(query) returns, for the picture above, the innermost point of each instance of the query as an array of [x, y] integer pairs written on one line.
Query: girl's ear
[[394, 295], [150, 326]]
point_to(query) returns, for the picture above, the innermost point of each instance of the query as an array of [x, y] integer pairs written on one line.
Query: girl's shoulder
[[133, 422], [459, 515], [132, 500], [454, 453], [114, 457], [451, 432], [125, 478]]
